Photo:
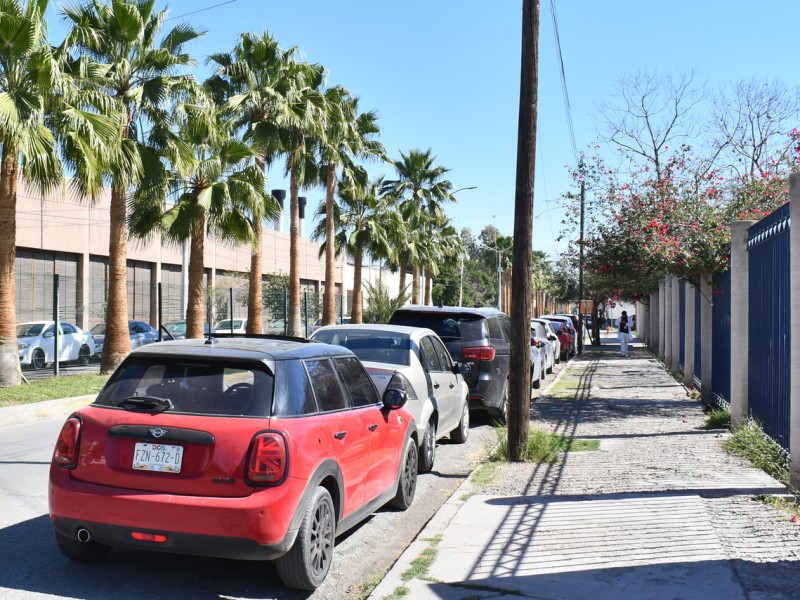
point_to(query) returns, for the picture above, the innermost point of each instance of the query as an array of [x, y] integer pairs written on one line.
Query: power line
[[564, 91], [199, 10]]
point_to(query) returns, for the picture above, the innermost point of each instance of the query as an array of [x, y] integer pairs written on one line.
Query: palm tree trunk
[[255, 302], [118, 342], [329, 306], [295, 326], [356, 309], [428, 288], [415, 285], [403, 272], [195, 315], [10, 373]]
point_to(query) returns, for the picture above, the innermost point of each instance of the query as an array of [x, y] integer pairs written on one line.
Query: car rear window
[[447, 326], [556, 326], [374, 346], [194, 387]]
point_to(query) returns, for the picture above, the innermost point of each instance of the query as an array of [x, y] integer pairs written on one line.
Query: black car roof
[[484, 311], [241, 348]]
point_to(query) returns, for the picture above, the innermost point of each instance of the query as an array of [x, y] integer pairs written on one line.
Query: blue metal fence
[[721, 324], [698, 356], [682, 325], [769, 322]]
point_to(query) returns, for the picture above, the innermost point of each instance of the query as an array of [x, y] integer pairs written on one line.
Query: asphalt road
[[32, 566]]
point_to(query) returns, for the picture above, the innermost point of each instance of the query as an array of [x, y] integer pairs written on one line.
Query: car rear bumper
[[237, 527]]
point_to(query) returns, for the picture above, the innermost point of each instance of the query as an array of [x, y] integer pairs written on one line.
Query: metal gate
[[698, 336], [721, 324], [682, 326], [769, 320]]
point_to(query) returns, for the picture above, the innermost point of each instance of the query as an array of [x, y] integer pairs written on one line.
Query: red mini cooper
[[235, 448]]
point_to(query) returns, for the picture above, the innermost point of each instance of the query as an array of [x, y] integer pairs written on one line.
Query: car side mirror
[[394, 399], [462, 368], [551, 337]]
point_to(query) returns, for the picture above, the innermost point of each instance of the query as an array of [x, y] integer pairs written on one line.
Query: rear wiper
[[151, 403]]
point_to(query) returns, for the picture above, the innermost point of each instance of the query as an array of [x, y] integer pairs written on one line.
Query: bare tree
[[651, 113], [750, 122]]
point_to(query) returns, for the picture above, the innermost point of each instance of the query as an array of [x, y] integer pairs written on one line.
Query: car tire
[[536, 382], [550, 368], [305, 566], [79, 551], [407, 482], [38, 359], [83, 355], [427, 451], [504, 405], [459, 434], [557, 358]]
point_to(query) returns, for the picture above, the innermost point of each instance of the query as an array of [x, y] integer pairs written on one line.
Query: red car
[[236, 448]]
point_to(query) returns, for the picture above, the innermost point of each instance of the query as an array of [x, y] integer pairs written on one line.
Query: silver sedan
[[413, 359]]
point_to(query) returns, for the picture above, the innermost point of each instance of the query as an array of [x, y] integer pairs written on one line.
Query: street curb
[[47, 409]]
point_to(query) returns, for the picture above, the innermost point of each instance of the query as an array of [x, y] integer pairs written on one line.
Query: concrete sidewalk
[[660, 511]]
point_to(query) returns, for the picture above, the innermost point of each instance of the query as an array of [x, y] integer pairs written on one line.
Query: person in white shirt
[[623, 333]]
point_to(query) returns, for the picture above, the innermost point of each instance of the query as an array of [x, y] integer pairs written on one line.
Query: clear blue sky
[[444, 74]]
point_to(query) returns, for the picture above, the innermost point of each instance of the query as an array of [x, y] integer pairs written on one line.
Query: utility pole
[[520, 371]]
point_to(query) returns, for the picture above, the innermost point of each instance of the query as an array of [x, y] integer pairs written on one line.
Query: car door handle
[[372, 427], [452, 385], [339, 435], [436, 386]]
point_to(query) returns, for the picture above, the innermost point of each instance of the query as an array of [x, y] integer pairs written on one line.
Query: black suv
[[479, 336]]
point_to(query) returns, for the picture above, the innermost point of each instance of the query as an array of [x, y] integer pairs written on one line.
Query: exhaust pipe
[[84, 536]]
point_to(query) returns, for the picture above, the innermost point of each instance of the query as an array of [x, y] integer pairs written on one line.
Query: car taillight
[[66, 450], [268, 461], [478, 353], [400, 382]]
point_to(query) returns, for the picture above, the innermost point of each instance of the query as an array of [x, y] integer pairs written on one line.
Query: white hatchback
[[413, 359]]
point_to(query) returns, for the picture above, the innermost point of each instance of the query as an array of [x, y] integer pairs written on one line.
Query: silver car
[[413, 359], [552, 336], [540, 339]]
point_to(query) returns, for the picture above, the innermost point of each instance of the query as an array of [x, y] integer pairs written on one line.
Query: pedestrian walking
[[623, 333]]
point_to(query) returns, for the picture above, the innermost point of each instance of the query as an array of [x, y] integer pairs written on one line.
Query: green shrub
[[718, 419], [543, 445], [749, 440]]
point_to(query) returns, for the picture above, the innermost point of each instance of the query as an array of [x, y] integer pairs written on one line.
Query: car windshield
[[374, 346], [556, 326], [177, 327], [29, 329], [195, 387], [447, 326], [99, 329]]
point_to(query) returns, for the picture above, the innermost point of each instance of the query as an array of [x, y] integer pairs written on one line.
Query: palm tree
[[39, 110], [298, 126], [442, 244], [140, 74], [348, 135], [218, 189], [363, 220], [419, 181], [255, 79]]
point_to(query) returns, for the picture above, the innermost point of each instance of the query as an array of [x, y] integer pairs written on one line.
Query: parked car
[[231, 326], [567, 346], [414, 360], [36, 343], [238, 448], [178, 330], [568, 325], [552, 337], [141, 333], [478, 336], [540, 340], [318, 323], [280, 327]]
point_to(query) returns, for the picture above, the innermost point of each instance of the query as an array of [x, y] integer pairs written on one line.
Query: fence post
[[706, 335], [56, 336], [740, 356], [689, 327], [668, 321], [661, 306], [794, 303], [654, 322], [675, 332]]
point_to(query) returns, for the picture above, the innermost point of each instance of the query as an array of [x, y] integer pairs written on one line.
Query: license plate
[[163, 458]]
